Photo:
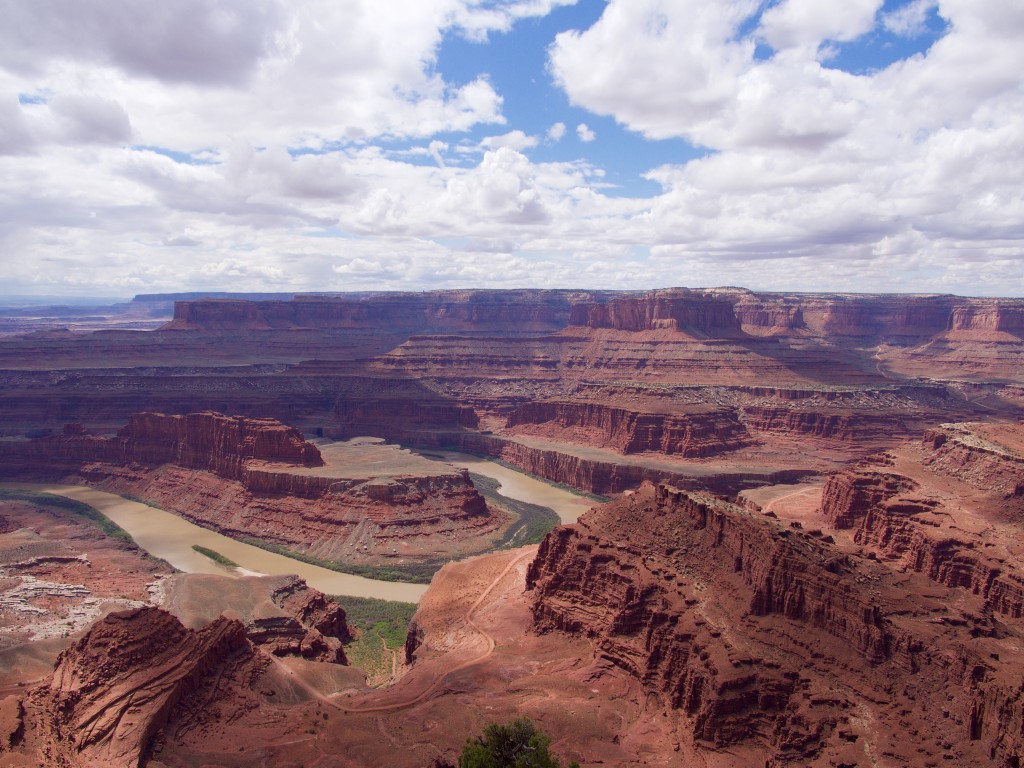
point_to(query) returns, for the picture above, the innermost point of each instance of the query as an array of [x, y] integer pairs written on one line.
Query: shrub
[[516, 745]]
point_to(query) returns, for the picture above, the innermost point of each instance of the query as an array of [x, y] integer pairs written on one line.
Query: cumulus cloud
[[910, 20], [794, 23], [185, 41], [584, 133], [513, 140], [556, 132], [276, 163]]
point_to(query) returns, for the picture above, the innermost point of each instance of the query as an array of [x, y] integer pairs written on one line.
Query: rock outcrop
[[507, 312], [259, 478], [116, 688], [758, 634], [972, 454], [696, 433], [223, 445], [607, 472], [309, 625], [966, 541]]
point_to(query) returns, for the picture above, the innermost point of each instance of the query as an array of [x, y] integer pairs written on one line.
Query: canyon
[[812, 556]]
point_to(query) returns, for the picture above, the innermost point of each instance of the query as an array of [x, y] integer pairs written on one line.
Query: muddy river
[[170, 537], [166, 535], [515, 485]]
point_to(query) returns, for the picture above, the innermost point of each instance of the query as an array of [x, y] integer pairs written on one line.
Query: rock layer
[[697, 433], [116, 688], [258, 478], [759, 634]]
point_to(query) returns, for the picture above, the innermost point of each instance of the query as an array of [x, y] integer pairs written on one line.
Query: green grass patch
[[414, 573], [388, 618], [78, 508], [533, 522], [216, 556], [380, 628]]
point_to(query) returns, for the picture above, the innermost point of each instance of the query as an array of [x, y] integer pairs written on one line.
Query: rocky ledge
[[134, 672], [760, 636]]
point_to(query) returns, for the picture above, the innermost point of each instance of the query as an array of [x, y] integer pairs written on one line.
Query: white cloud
[[556, 132], [909, 20], [584, 133], [905, 178], [794, 23], [516, 140]]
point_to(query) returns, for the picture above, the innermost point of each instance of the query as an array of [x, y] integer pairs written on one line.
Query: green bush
[[216, 556], [516, 745]]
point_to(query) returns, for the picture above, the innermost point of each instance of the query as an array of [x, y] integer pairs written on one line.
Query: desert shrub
[[516, 745]]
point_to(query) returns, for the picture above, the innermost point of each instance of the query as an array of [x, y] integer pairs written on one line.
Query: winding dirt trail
[[438, 678]]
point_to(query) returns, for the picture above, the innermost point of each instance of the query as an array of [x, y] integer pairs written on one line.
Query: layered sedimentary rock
[[208, 441], [835, 424], [508, 312], [698, 313], [258, 478], [974, 454], [116, 688], [757, 634], [945, 521], [606, 471], [695, 433], [311, 625]]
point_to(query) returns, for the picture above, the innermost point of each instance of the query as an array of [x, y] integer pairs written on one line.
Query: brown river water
[[170, 537]]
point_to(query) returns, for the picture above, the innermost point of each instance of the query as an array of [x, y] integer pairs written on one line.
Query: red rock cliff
[[119, 685], [765, 636], [697, 313], [697, 433]]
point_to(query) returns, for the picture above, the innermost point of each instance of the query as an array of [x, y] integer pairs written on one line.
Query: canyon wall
[[971, 454], [118, 686], [601, 476], [880, 317], [208, 441], [506, 312], [758, 634], [699, 432], [258, 478], [915, 525]]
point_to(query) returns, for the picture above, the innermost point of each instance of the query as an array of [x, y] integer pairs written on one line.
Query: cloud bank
[[314, 145]]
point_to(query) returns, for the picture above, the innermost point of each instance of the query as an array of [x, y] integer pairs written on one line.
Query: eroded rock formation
[[758, 633], [697, 433], [116, 688], [259, 478]]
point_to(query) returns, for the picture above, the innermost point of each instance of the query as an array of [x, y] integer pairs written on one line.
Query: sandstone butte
[[814, 556]]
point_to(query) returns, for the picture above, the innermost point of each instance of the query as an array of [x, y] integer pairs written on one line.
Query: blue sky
[[265, 145]]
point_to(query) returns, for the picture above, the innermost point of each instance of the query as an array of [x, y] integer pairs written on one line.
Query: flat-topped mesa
[[698, 432], [734, 312], [700, 314], [117, 687], [879, 317], [988, 315], [764, 636], [469, 311], [848, 495], [213, 442]]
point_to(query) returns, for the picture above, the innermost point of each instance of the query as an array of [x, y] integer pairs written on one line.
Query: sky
[[333, 145]]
